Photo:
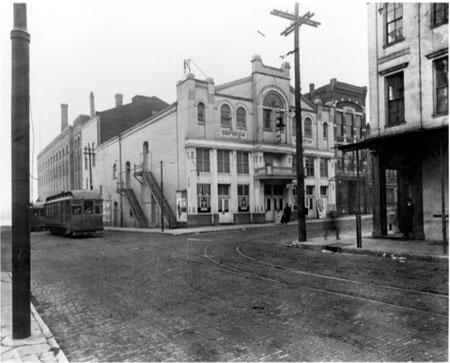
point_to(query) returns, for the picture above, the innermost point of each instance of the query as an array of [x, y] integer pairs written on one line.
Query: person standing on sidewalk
[[286, 218], [333, 225]]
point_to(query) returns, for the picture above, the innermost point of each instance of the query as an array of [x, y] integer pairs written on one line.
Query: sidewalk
[[380, 247], [39, 347], [193, 230]]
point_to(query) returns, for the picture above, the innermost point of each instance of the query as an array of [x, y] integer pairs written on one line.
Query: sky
[[137, 47]]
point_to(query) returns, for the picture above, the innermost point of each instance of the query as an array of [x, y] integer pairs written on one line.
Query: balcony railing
[[270, 171]]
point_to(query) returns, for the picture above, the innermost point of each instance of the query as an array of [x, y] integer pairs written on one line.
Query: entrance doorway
[[273, 199], [127, 174], [223, 191], [115, 215]]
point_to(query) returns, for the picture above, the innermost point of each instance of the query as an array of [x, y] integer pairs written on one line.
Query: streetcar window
[[88, 207], [76, 210], [98, 209]]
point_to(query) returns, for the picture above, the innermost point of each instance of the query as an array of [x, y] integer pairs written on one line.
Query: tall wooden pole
[[297, 21], [299, 139], [20, 173]]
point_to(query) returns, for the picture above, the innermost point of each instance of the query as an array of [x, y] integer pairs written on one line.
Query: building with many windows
[[349, 125], [408, 93], [64, 163], [224, 154]]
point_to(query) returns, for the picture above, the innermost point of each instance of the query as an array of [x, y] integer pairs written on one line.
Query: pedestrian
[[409, 217], [333, 225], [286, 217]]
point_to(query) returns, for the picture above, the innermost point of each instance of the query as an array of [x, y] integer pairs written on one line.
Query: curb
[[51, 341], [363, 251], [57, 351]]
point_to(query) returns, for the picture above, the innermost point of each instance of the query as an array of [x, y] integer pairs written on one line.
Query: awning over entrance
[[409, 138], [269, 172]]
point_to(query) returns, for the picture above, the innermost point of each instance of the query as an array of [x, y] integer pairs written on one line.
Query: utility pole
[[297, 21], [89, 153], [20, 173], [162, 200]]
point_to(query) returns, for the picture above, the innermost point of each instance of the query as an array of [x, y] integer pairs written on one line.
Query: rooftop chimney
[[312, 89], [92, 104], [119, 99], [64, 116]]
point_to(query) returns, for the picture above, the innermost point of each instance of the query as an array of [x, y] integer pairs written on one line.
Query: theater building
[[223, 154]]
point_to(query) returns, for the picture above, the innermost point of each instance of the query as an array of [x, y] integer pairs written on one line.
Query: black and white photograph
[[222, 181]]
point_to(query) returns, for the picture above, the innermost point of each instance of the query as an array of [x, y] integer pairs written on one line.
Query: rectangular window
[[358, 127], [98, 209], [204, 198], [88, 207], [395, 99], [309, 167], [324, 167], [242, 162], [243, 197], [339, 131], [439, 14], [441, 86], [203, 160], [310, 190], [223, 161], [394, 23], [223, 191], [323, 191], [267, 119]]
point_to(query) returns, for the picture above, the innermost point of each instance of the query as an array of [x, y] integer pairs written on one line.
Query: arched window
[[308, 127], [273, 107], [225, 116], [201, 113], [241, 118], [325, 131]]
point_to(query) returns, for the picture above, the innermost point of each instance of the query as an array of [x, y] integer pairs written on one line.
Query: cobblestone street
[[235, 295]]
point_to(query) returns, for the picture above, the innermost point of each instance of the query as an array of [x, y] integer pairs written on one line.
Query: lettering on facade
[[235, 134]]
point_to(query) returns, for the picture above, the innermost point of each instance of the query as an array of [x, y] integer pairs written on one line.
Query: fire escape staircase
[[142, 175], [134, 204]]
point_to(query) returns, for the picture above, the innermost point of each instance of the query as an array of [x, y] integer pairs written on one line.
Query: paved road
[[234, 295]]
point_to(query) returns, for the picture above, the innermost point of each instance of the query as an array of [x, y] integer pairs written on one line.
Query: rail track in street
[[238, 262]]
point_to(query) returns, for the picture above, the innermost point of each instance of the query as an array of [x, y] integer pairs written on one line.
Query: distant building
[[408, 92], [349, 126], [63, 162]]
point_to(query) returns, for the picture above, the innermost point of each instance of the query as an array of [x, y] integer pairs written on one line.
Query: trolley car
[[37, 216], [74, 212]]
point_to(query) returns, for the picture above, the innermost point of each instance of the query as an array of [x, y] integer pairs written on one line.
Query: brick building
[[63, 165], [408, 92], [350, 126]]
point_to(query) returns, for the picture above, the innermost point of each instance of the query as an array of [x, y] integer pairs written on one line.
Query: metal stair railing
[[134, 204], [156, 191]]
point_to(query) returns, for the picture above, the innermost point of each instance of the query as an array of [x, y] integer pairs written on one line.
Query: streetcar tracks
[[253, 274], [306, 273]]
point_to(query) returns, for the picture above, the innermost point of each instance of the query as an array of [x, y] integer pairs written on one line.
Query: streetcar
[[75, 212], [37, 216]]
